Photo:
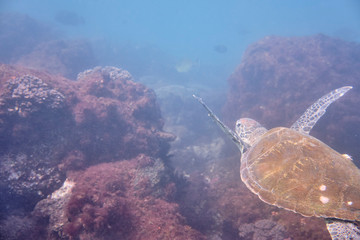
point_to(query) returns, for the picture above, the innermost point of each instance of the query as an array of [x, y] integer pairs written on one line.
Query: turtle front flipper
[[231, 134], [343, 230], [308, 120]]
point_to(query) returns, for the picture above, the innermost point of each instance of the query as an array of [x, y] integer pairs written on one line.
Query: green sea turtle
[[290, 169]]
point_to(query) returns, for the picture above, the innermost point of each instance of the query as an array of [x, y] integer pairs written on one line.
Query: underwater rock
[[126, 114], [27, 42], [120, 200], [187, 121], [29, 94], [263, 230], [66, 126], [15, 227], [19, 35], [27, 178], [106, 113], [63, 57], [52, 209], [279, 77], [195, 205], [73, 160], [30, 138]]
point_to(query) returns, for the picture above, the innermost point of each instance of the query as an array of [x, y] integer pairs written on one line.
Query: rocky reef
[[121, 200], [28, 94], [280, 77], [101, 139], [27, 42], [64, 57], [88, 158]]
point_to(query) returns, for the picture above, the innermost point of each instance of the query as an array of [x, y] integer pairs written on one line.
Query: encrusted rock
[[279, 77], [16, 227], [113, 73], [58, 127], [28, 177], [29, 94], [53, 209], [263, 230], [120, 200]]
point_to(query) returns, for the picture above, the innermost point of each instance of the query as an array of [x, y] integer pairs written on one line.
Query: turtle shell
[[300, 173]]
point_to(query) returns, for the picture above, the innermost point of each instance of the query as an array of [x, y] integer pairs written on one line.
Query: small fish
[[185, 65], [220, 48], [69, 18]]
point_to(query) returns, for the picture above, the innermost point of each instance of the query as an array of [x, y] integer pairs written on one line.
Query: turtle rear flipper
[[343, 230], [308, 120]]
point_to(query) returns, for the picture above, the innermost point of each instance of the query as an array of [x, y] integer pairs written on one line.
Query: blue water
[[190, 30], [177, 48]]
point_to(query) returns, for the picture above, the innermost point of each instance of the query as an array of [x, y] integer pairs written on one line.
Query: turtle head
[[249, 130]]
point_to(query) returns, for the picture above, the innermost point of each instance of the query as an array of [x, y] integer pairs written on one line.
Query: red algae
[[279, 77], [54, 127], [105, 113], [124, 200]]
